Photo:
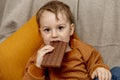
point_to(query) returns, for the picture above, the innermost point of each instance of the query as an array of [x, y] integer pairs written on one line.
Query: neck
[[68, 48]]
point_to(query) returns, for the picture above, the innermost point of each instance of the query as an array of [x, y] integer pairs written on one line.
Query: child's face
[[53, 29]]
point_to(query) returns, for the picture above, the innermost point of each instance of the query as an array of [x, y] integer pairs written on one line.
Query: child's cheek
[[47, 42], [66, 39]]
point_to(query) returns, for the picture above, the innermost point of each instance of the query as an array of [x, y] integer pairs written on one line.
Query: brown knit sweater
[[78, 64]]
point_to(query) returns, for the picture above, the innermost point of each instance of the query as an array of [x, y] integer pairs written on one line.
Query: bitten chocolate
[[54, 58]]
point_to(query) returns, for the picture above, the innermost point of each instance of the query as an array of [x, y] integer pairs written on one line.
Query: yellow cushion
[[16, 50]]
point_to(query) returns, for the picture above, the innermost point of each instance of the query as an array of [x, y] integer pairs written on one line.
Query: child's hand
[[41, 53], [101, 74]]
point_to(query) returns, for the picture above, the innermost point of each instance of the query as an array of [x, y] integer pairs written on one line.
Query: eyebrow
[[43, 27], [62, 24]]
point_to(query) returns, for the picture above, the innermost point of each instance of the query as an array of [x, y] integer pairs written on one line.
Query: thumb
[[94, 74]]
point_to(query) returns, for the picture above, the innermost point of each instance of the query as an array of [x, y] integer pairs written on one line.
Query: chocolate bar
[[54, 58]]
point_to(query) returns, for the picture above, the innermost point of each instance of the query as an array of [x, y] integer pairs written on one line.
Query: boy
[[81, 62]]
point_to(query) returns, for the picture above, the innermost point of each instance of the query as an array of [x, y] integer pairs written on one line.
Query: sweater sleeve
[[32, 72], [94, 61], [91, 57]]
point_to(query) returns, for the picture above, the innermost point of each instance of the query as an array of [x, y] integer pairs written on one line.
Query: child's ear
[[72, 28]]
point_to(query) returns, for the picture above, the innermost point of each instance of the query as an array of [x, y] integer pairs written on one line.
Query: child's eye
[[61, 27], [47, 30]]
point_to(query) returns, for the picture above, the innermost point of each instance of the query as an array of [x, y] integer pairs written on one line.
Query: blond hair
[[56, 7]]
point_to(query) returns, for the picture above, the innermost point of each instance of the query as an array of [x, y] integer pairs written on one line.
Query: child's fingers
[[103, 74], [94, 74], [44, 50], [109, 75], [106, 75], [41, 53], [47, 47], [99, 75]]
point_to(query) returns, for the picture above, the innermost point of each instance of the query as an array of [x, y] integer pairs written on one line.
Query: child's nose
[[54, 34]]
